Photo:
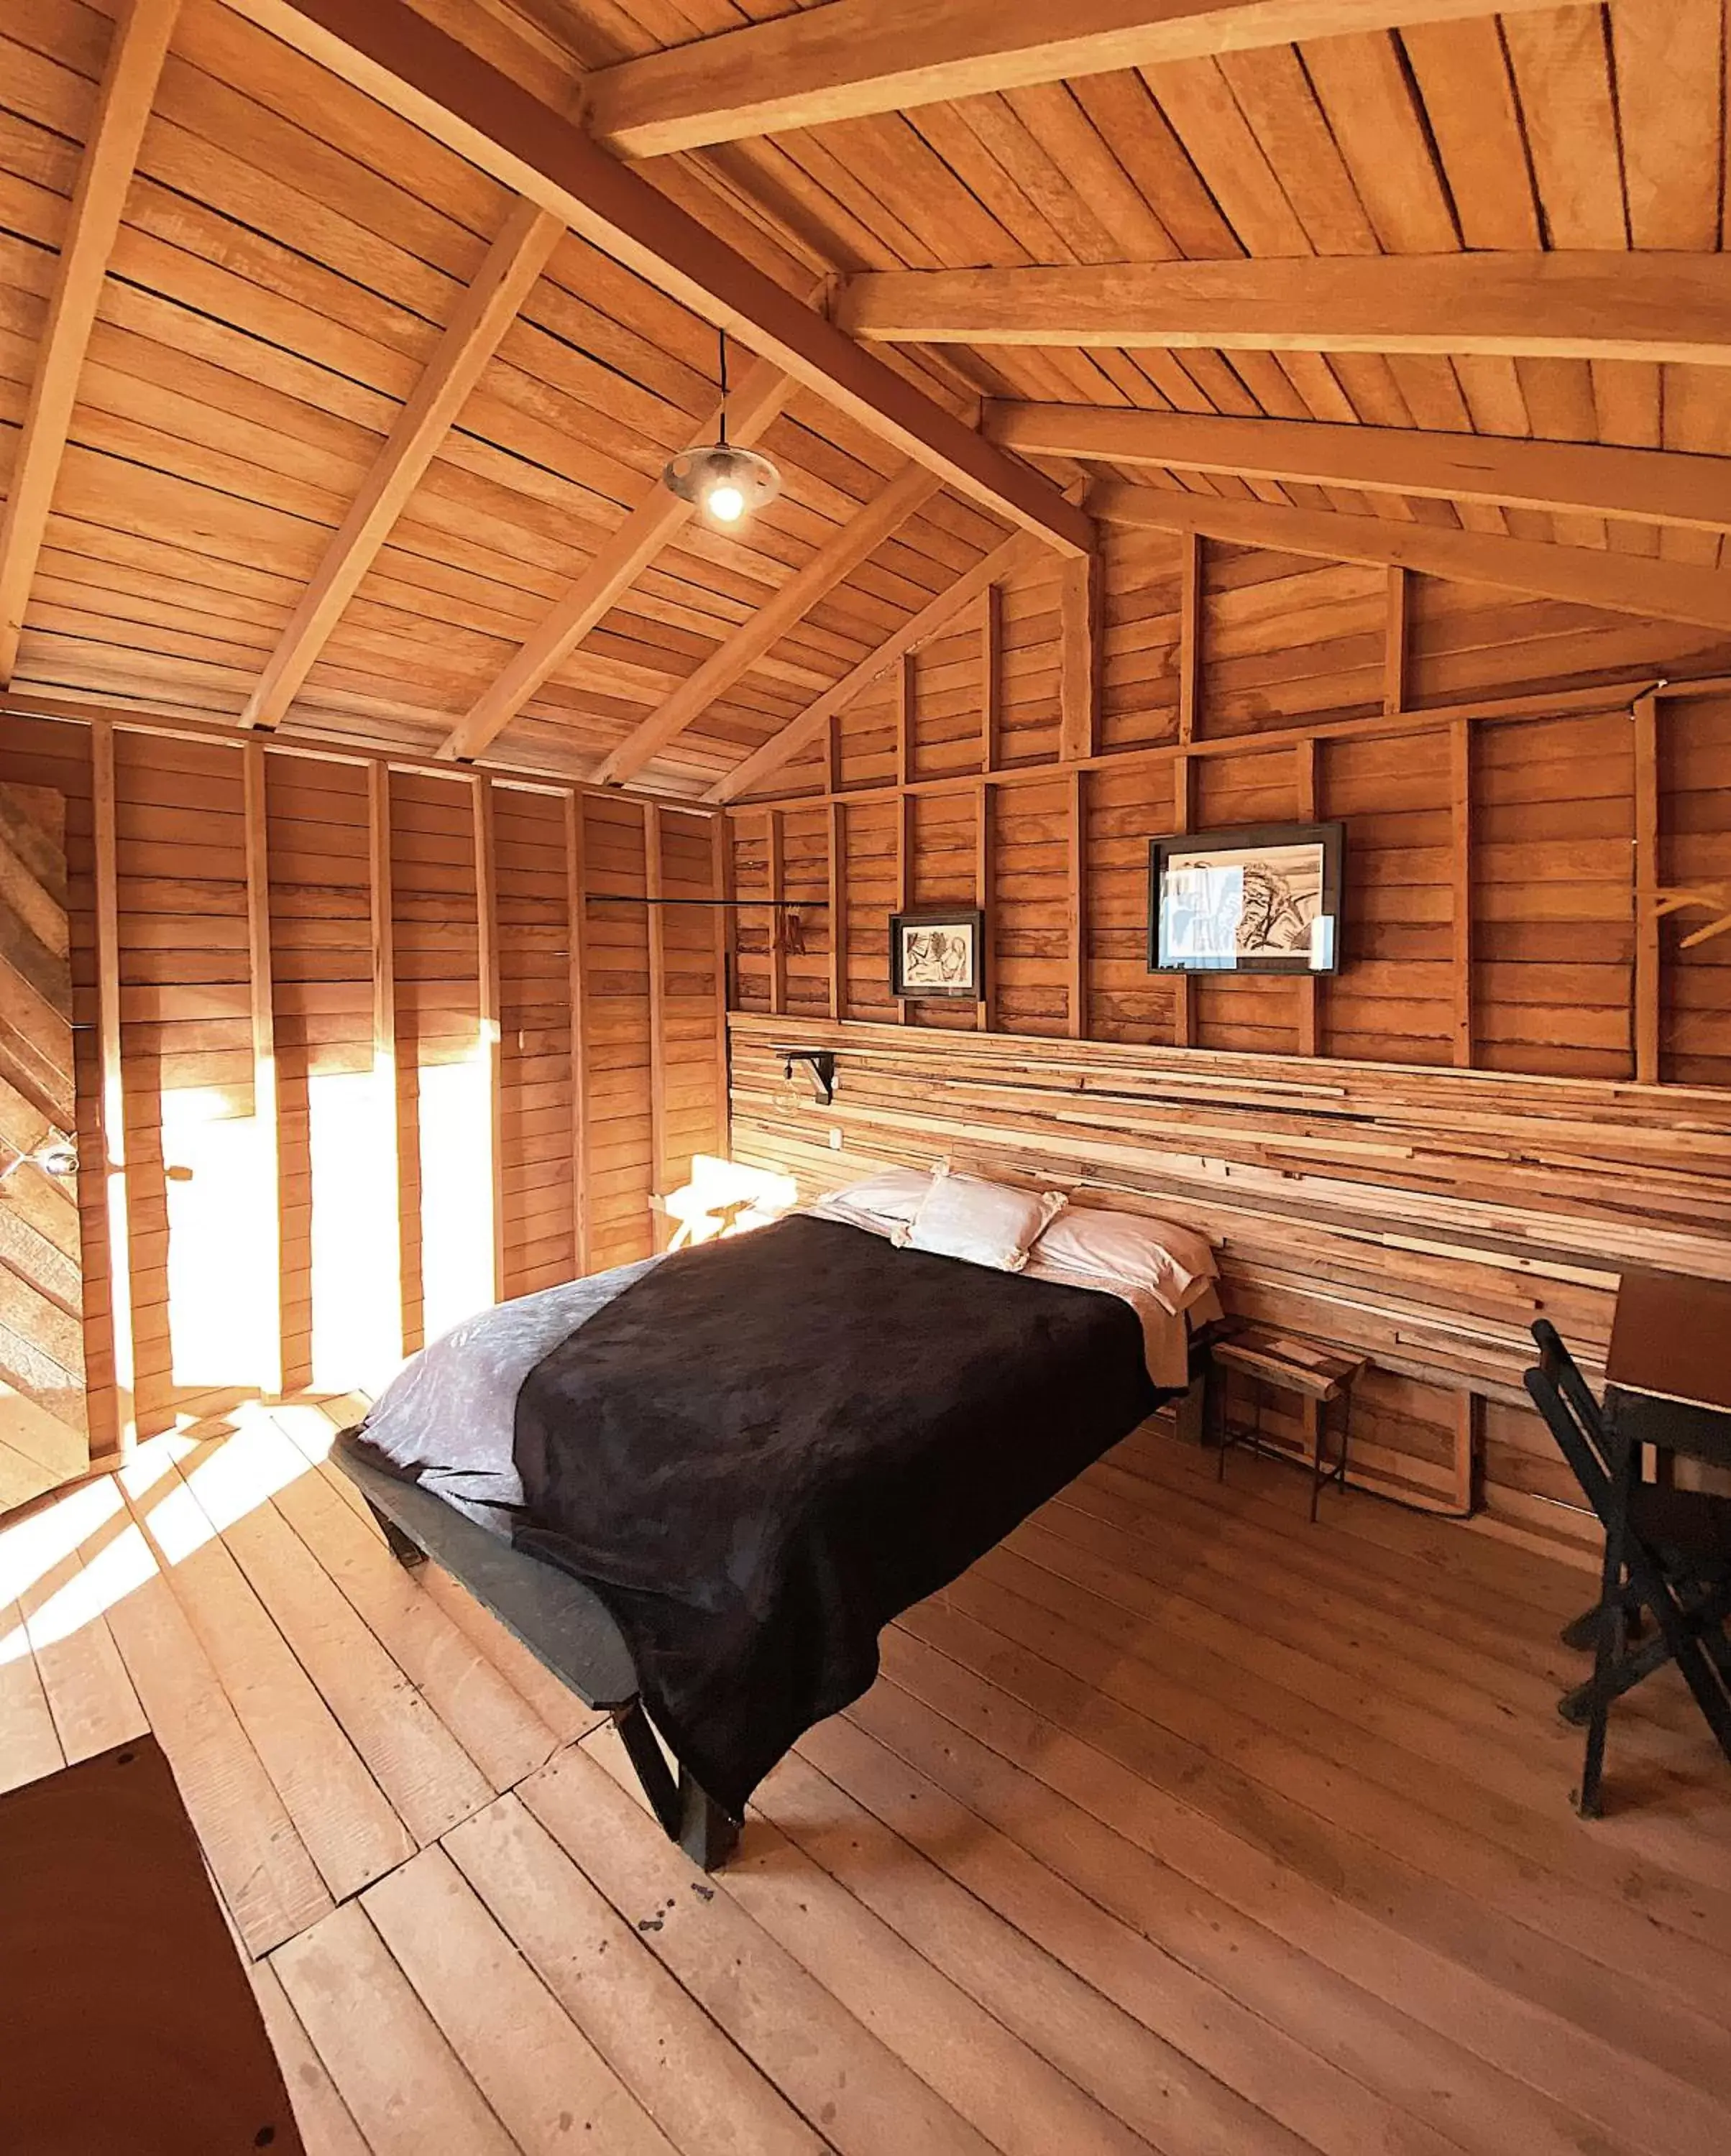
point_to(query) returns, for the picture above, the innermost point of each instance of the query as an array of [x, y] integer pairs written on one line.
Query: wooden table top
[[1672, 1338]]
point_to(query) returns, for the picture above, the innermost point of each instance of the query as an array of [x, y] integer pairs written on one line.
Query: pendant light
[[726, 484]]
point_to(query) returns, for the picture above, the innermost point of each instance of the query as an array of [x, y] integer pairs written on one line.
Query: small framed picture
[[937, 951], [1262, 899]]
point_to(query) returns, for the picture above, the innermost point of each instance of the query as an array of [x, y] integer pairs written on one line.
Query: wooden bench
[[1317, 1375]]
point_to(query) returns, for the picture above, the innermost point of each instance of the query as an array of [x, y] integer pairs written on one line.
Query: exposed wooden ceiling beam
[[1621, 583], [751, 407], [486, 311], [854, 57], [1658, 487], [385, 49], [991, 569], [1649, 307], [863, 533], [136, 53]]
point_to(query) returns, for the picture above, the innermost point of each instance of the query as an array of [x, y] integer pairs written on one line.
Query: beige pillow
[[893, 1194], [987, 1223], [1174, 1265]]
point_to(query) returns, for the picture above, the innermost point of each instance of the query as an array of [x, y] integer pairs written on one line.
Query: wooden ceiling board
[[291, 251]]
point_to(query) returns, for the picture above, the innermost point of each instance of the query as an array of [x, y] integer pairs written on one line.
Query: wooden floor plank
[[430, 1780], [326, 2125], [494, 1724], [29, 1747], [1174, 1824], [1275, 1945], [1227, 1696], [702, 2091], [261, 1864], [549, 2086], [400, 2080], [1534, 1589], [1530, 1761], [1282, 1800], [831, 2068], [1175, 2059], [1030, 2083], [89, 1693], [344, 1818]]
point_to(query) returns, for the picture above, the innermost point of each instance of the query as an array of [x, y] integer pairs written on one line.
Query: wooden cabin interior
[[441, 863]]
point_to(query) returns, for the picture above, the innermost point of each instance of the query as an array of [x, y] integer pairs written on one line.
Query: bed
[[697, 1487]]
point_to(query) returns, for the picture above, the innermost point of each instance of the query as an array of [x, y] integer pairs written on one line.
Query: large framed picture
[[937, 951], [1263, 899]]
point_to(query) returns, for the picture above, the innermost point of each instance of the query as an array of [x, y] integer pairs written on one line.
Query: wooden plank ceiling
[[365, 441]]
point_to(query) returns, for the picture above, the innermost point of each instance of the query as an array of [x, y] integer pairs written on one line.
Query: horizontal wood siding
[[1419, 1218], [1489, 928], [212, 1311]]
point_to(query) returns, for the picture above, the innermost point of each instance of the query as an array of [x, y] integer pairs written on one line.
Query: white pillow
[[963, 1216], [1174, 1265], [893, 1194]]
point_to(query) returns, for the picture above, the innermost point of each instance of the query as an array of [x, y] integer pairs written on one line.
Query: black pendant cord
[[723, 334]]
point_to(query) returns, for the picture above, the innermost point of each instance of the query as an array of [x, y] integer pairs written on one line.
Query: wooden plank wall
[[1489, 921], [1422, 1221], [1489, 917], [353, 1091]]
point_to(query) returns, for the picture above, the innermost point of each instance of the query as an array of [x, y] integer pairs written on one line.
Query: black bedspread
[[767, 1448]]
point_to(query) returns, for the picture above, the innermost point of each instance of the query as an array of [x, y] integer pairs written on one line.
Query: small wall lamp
[[820, 1069]]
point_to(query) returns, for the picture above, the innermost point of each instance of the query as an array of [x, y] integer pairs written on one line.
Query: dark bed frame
[[562, 1623]]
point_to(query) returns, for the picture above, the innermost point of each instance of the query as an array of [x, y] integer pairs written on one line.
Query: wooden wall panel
[[1422, 1219], [1368, 1149], [1553, 896], [1126, 1002], [805, 886], [340, 1297], [870, 841], [1391, 1003], [621, 1133], [447, 1202], [1284, 637], [1467, 640], [1139, 683], [1029, 714], [693, 1021], [949, 698], [199, 1198], [1695, 817], [866, 737], [1490, 909], [540, 1230], [1030, 946], [186, 1034]]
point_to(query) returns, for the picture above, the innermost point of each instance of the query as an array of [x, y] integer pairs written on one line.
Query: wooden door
[[44, 1437]]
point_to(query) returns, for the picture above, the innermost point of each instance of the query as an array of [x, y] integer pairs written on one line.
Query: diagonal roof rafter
[[486, 311], [393, 54], [844, 552], [993, 568], [751, 408]]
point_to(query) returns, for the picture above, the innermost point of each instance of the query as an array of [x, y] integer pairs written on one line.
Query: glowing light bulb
[[724, 503]]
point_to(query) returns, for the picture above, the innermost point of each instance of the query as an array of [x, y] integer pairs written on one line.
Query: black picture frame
[[1329, 838], [967, 921]]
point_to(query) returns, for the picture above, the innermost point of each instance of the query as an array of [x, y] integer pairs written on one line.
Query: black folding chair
[[1668, 1555]]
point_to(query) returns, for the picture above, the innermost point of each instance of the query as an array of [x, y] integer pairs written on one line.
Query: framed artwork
[[1263, 899], [937, 951]]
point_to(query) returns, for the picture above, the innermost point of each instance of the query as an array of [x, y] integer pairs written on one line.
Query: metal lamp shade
[[694, 474]]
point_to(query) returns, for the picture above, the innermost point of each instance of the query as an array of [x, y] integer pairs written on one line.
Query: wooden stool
[[1317, 1375]]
